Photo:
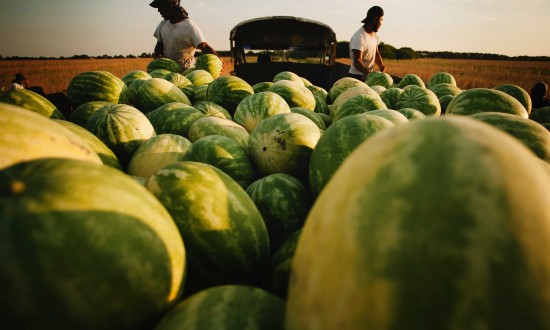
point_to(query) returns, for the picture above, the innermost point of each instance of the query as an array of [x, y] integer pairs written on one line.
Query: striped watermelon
[[212, 109], [156, 92], [532, 134], [395, 117], [210, 63], [421, 99], [177, 79], [441, 77], [174, 118], [225, 154], [83, 246], [518, 93], [283, 143], [357, 104], [219, 126], [262, 86], [377, 78], [199, 93], [83, 112], [338, 142], [122, 128], [363, 89], [411, 79], [443, 89], [159, 73], [429, 217], [228, 91], [27, 135], [132, 76], [279, 267], [227, 307], [294, 94], [288, 75], [318, 91], [106, 155], [163, 63], [390, 97], [96, 86], [311, 115], [256, 107], [411, 113], [157, 152], [321, 105], [340, 86], [200, 77], [485, 100], [132, 92], [226, 240], [444, 102], [284, 202], [32, 101]]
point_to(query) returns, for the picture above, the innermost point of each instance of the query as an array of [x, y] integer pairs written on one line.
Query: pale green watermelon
[[226, 240], [357, 104], [210, 63], [96, 86], [156, 92], [396, 117], [226, 154], [283, 143], [379, 78], [212, 109], [429, 217], [163, 63], [294, 94], [518, 93], [262, 86], [411, 79], [132, 92], [199, 77], [443, 89], [159, 73], [318, 91], [439, 78], [219, 126], [340, 86], [32, 101], [363, 89], [174, 118], [477, 100], [134, 75], [177, 79], [256, 107], [411, 113], [83, 246], [83, 112], [288, 75], [157, 152]]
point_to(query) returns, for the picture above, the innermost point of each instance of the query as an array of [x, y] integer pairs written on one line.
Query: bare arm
[[206, 49], [159, 50], [357, 63], [378, 60]]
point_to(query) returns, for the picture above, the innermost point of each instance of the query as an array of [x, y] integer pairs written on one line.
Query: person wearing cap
[[20, 82], [363, 45], [538, 95], [178, 37]]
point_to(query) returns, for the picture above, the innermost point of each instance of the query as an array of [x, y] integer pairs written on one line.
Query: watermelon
[[443, 89], [96, 86], [294, 94], [379, 78], [351, 92], [157, 152], [421, 99], [306, 82], [177, 79], [341, 85], [159, 73], [390, 96], [132, 92], [27, 135], [134, 75], [210, 63], [226, 154], [326, 119], [199, 93], [338, 142], [284, 202], [163, 63], [174, 118], [321, 105], [122, 128], [256, 107], [313, 116], [283, 143], [227, 307], [212, 109], [411, 113], [106, 155], [32, 101], [83, 112], [444, 102], [411, 79], [532, 134], [189, 91], [378, 89], [429, 217], [262, 86], [219, 126], [441, 77], [485, 100], [278, 269], [395, 117], [518, 93], [358, 104], [288, 75], [226, 240], [156, 92], [228, 91], [318, 91], [83, 246], [200, 77]]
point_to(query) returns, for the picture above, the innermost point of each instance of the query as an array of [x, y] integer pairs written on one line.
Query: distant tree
[[131, 56], [406, 53], [387, 51]]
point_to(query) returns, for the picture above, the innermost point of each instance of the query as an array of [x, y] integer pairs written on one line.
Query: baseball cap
[[158, 3], [374, 11]]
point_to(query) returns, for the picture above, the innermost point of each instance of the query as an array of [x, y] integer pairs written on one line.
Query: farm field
[[54, 75]]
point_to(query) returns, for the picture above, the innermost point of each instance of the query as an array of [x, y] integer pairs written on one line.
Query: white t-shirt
[[180, 40], [361, 40], [16, 86]]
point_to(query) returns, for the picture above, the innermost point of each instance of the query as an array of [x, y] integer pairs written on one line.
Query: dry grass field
[[54, 75]]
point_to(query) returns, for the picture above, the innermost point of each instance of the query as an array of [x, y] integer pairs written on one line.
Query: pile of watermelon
[[175, 200]]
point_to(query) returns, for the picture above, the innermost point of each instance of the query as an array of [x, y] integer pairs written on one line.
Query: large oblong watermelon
[[32, 101], [228, 91], [96, 86]]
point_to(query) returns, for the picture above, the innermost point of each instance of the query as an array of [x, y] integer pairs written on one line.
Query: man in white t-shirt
[[363, 45], [178, 37]]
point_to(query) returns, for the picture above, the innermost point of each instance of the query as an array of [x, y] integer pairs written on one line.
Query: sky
[[54, 28]]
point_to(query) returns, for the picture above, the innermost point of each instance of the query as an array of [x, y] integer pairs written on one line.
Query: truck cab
[[262, 47]]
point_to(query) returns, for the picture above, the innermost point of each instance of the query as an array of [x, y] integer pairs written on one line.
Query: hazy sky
[[122, 27]]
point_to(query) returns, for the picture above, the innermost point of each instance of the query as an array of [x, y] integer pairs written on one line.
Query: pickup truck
[[262, 47]]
